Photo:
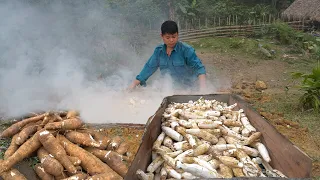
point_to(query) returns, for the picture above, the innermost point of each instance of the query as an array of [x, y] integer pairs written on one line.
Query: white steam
[[52, 55]]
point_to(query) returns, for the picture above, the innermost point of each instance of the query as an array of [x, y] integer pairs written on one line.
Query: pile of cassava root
[[65, 148], [207, 139]]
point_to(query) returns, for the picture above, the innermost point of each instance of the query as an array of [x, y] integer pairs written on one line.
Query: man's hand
[[133, 85], [202, 83]]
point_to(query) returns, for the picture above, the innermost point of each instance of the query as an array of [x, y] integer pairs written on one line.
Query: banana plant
[[187, 8]]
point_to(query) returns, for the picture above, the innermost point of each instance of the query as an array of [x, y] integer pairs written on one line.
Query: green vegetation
[[302, 42], [272, 42], [192, 10], [310, 85], [239, 46], [4, 144], [33, 161]]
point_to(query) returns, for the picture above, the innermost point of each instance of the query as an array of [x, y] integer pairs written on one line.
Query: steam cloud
[[72, 55]]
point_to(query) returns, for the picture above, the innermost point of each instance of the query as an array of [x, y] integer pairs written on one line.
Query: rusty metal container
[[285, 156]]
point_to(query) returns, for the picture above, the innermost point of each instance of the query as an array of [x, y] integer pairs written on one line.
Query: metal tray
[[285, 156]]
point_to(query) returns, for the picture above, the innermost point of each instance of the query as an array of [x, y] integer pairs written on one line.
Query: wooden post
[[227, 21], [214, 21], [289, 19], [301, 26], [219, 21], [191, 24], [233, 19], [199, 24], [206, 22], [254, 21], [269, 18], [236, 19], [186, 25]]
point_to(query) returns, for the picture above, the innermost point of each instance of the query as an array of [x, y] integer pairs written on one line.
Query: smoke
[[73, 55]]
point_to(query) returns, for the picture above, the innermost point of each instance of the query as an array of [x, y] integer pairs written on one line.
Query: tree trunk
[[171, 9]]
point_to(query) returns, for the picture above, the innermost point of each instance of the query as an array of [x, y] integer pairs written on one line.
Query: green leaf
[[182, 8], [296, 75], [299, 35], [316, 73], [316, 101]]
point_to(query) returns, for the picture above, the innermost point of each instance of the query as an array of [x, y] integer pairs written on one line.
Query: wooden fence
[[230, 31]]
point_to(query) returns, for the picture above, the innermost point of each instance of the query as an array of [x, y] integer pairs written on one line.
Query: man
[[175, 58]]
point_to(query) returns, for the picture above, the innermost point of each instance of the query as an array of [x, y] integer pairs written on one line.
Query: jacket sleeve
[[149, 68], [194, 62]]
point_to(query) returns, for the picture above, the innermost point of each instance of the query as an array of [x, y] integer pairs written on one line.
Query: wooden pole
[[269, 18], [274, 19], [199, 24], [219, 21], [236, 19], [300, 23], [233, 20], [186, 25], [206, 22]]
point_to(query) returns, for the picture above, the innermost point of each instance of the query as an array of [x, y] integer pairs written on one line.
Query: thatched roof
[[303, 9]]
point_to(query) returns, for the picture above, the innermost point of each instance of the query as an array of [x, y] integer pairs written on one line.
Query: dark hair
[[169, 27]]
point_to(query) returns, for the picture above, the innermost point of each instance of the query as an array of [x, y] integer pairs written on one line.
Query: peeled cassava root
[[207, 139], [65, 148]]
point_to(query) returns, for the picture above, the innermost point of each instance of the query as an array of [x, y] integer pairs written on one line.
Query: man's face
[[170, 39]]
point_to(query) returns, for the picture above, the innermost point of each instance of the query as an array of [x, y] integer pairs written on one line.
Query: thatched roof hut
[[303, 9]]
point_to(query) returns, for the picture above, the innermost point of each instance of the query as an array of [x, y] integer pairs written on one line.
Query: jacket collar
[[174, 49]]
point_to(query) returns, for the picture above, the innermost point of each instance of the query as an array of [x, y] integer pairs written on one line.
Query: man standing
[[175, 58]]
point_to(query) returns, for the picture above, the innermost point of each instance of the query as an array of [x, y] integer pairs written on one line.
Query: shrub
[[310, 84]]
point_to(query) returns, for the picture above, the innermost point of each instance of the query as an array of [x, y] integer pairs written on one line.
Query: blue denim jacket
[[183, 64]]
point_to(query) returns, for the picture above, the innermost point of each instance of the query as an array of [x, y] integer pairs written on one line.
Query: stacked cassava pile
[[65, 147], [207, 139]]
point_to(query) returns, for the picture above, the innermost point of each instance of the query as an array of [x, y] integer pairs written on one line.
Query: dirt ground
[[239, 75], [132, 136]]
